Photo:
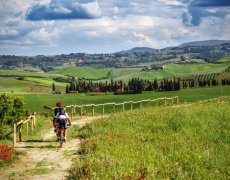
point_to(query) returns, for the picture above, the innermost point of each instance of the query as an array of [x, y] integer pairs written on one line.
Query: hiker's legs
[[65, 133]]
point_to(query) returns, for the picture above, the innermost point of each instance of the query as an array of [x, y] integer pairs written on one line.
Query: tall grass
[[190, 142]]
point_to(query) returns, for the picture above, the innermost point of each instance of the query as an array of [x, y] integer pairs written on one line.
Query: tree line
[[134, 86], [138, 85]]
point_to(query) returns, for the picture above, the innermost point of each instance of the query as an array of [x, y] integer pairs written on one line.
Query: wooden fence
[[30, 122], [31, 119], [72, 109]]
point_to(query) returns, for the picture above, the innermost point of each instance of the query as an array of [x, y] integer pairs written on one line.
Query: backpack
[[62, 119], [59, 110]]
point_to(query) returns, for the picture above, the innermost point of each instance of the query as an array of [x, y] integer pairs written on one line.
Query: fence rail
[[128, 105], [31, 119], [73, 108]]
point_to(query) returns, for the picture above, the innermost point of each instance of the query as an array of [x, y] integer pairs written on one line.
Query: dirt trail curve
[[45, 160]]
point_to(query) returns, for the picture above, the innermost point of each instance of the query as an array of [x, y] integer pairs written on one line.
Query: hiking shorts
[[62, 123]]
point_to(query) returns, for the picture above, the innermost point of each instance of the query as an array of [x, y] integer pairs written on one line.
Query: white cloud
[[62, 10], [119, 25], [91, 7], [41, 37], [8, 32], [172, 2]]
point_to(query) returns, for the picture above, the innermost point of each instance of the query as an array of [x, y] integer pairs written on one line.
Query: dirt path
[[45, 160]]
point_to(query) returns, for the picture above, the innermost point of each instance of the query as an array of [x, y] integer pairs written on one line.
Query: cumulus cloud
[[107, 25], [60, 10], [199, 9]]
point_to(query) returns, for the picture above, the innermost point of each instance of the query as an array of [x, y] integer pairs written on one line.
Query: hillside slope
[[187, 142], [205, 43]]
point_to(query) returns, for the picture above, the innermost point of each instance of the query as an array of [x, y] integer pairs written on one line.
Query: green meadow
[[38, 82], [36, 87], [171, 70], [190, 142], [125, 74], [83, 72], [36, 101]]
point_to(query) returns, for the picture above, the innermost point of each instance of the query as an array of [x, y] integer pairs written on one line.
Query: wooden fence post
[[32, 126], [33, 120], [72, 112], [20, 133], [81, 110], [103, 109], [141, 104], [74, 109], [27, 129], [93, 110], [172, 101], [131, 105], [177, 100], [15, 134], [123, 107], [113, 108], [165, 102]]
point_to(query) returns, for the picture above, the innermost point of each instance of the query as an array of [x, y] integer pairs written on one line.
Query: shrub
[[11, 110]]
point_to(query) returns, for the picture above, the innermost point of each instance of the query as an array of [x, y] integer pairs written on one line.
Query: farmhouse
[[158, 66]]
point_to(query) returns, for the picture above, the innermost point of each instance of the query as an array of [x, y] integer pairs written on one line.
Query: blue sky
[[32, 27]]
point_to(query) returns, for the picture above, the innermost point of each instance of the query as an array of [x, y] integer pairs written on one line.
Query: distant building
[[146, 68], [158, 66], [185, 58]]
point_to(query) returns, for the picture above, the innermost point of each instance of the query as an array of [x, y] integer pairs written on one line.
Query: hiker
[[57, 115], [56, 110], [62, 119]]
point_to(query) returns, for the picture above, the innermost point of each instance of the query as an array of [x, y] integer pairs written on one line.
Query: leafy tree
[[53, 87], [11, 110]]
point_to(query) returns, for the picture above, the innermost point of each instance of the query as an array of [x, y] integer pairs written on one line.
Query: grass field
[[29, 84], [102, 74], [36, 101], [126, 74], [84, 72], [23, 73], [171, 70], [36, 87], [13, 85], [224, 60], [190, 142]]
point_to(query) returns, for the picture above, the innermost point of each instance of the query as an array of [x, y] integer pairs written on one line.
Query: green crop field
[[29, 84], [103, 74], [190, 142], [36, 87], [171, 70], [13, 85], [23, 73], [32, 81], [225, 75], [125, 74], [224, 60], [84, 72]]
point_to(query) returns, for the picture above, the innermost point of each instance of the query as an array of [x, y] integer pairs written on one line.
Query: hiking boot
[[58, 139]]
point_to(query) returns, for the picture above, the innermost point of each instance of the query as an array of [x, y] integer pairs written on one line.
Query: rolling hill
[[204, 43]]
